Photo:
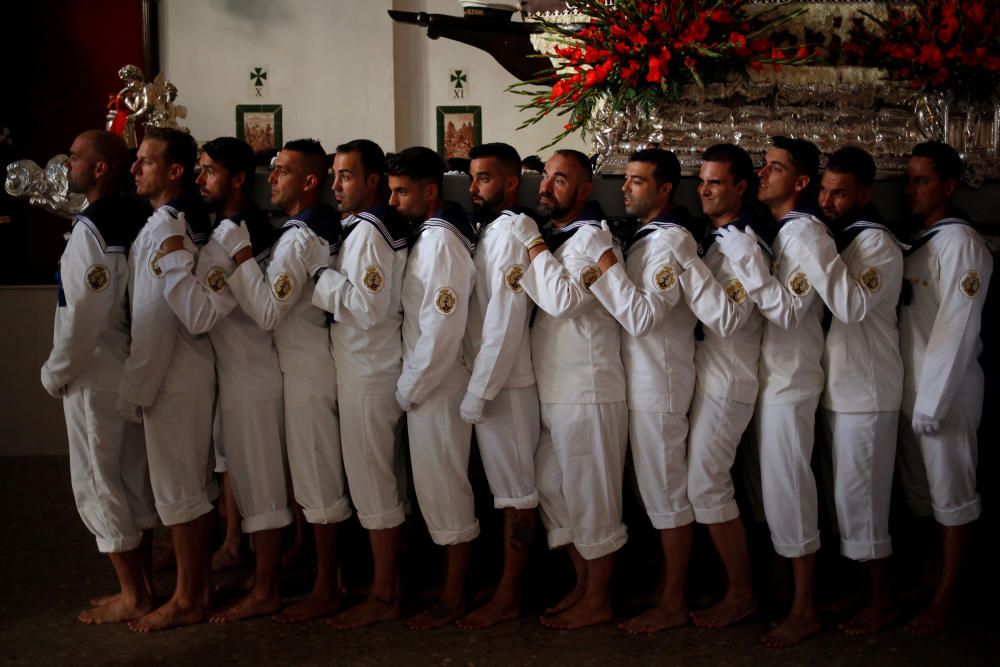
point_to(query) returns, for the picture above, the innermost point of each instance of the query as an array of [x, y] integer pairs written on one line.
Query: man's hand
[[597, 243], [472, 408], [129, 411], [55, 390], [315, 254], [925, 425], [735, 244], [403, 403], [525, 230], [230, 237]]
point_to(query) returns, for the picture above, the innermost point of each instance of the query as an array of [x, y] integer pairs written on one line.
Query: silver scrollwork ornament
[[48, 188]]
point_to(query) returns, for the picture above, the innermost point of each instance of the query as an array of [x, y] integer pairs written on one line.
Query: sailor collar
[[452, 218], [321, 220], [386, 222]]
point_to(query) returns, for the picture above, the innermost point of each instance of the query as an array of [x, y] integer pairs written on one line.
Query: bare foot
[[791, 631], [571, 599], [655, 620], [840, 605], [117, 610], [310, 607], [870, 619], [103, 600], [170, 615], [439, 614], [371, 611], [495, 611], [580, 615], [226, 559], [937, 616], [725, 612], [248, 606]]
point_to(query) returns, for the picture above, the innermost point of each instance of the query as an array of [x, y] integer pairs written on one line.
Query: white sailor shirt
[[948, 271], [497, 336]]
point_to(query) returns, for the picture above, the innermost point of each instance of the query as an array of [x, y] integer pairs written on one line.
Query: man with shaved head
[[90, 344]]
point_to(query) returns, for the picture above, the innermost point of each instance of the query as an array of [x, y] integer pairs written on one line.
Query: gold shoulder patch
[[665, 278], [589, 276], [216, 279], [735, 292], [282, 286], [373, 279], [971, 283], [154, 264], [98, 277], [445, 300], [871, 278], [798, 283], [512, 278]]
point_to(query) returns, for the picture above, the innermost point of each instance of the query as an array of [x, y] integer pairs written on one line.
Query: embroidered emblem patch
[[971, 283], [589, 276], [513, 278], [735, 292], [798, 283], [282, 286], [216, 279], [98, 277], [664, 278], [373, 279], [445, 300], [154, 264], [871, 278]]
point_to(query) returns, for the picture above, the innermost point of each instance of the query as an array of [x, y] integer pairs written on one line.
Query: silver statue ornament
[[48, 188]]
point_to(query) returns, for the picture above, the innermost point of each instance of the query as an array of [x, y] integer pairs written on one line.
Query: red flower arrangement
[[639, 54], [943, 44]]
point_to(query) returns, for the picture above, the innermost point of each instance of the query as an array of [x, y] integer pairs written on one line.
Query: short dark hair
[[739, 161], [666, 166], [579, 158], [372, 156], [534, 163], [855, 161], [109, 148], [418, 163], [181, 149], [317, 163], [236, 156], [804, 155], [505, 154], [947, 162]]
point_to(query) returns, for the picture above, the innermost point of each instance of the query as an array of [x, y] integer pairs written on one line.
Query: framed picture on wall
[[458, 130], [259, 125]]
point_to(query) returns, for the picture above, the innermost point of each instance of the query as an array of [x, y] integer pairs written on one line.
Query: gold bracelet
[[534, 243]]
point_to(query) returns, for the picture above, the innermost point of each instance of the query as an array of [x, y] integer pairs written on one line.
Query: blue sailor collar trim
[[198, 225], [452, 218], [796, 213], [386, 222], [846, 235], [592, 214], [944, 222], [322, 221]]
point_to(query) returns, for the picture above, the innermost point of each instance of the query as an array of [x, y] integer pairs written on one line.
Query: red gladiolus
[[736, 39], [654, 70], [803, 52]]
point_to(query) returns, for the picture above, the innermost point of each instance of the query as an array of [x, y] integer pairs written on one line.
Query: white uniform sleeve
[[444, 310], [847, 296], [90, 285], [775, 301], [360, 294], [965, 270], [154, 333], [639, 308], [268, 299], [723, 308], [197, 306], [503, 323], [557, 288]]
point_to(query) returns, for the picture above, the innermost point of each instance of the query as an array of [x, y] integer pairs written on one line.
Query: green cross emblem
[[257, 75], [458, 78]]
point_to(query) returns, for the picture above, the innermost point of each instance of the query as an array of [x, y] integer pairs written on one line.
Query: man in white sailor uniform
[[948, 270], [858, 274], [250, 398], [361, 291], [644, 296], [575, 349], [437, 286], [791, 374], [726, 375], [280, 300], [169, 379], [90, 343], [502, 399]]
